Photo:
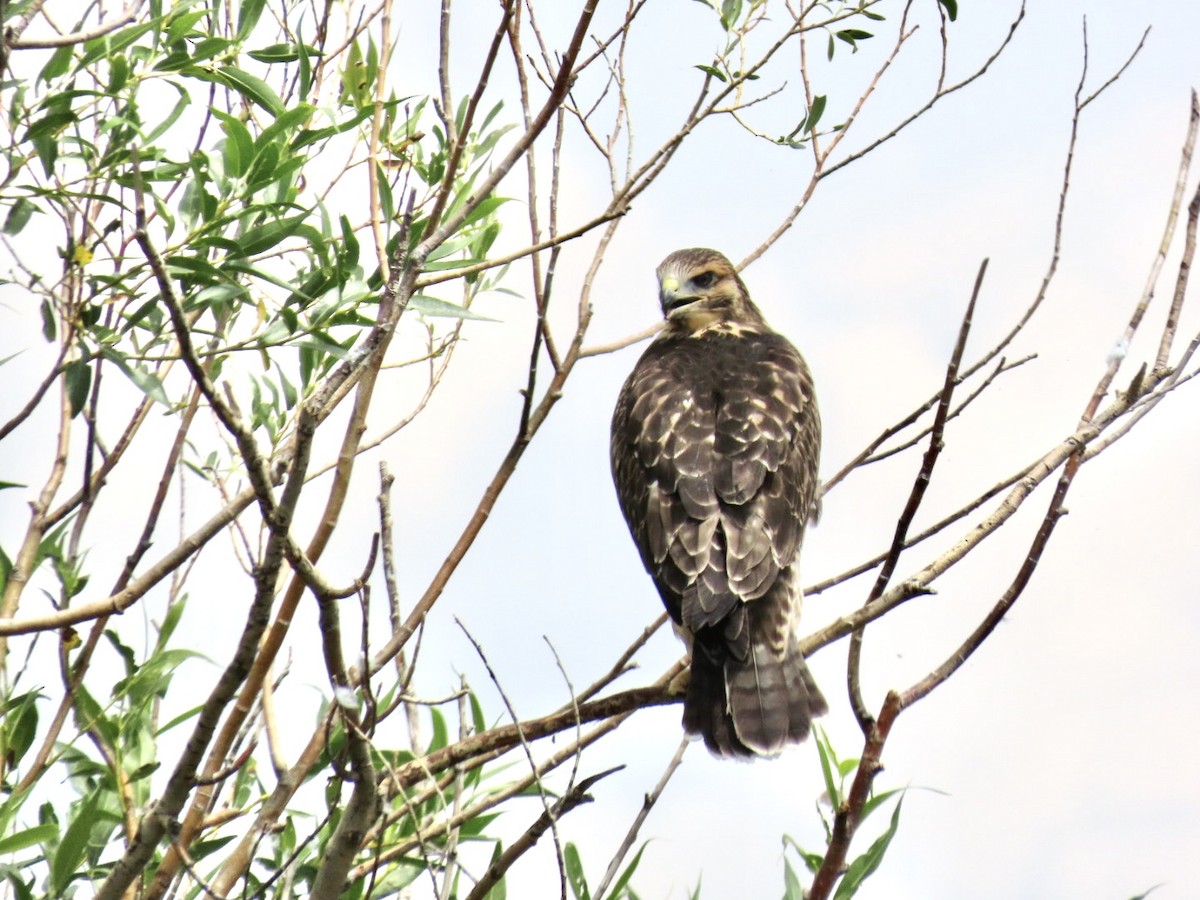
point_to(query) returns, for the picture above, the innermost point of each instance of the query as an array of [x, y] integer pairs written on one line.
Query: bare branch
[[914, 502], [576, 796], [127, 15], [1189, 250]]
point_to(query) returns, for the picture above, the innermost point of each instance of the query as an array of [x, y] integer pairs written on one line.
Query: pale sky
[[1057, 759], [1058, 762]]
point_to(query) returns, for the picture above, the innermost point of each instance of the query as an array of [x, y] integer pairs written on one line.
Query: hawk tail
[[751, 707]]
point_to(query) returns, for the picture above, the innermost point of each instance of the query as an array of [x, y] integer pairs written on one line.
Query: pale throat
[[700, 322], [691, 321]]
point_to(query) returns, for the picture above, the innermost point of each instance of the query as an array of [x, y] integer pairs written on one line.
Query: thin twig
[[543, 794], [647, 804], [1164, 348], [914, 502], [127, 15], [35, 399], [576, 796]]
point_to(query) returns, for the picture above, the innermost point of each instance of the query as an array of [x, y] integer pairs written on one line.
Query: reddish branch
[[915, 497], [845, 822]]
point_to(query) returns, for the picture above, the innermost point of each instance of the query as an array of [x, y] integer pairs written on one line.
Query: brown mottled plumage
[[715, 443]]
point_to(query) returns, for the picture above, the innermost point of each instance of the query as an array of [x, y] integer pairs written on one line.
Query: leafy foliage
[[223, 220], [838, 773]]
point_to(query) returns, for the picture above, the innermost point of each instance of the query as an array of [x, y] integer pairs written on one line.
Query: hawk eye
[[704, 280]]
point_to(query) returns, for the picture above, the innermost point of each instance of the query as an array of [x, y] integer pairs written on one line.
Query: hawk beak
[[672, 301]]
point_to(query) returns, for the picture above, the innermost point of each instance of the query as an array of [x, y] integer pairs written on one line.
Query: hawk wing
[[715, 449]]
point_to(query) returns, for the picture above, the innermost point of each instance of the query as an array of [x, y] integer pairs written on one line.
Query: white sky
[[1063, 750]]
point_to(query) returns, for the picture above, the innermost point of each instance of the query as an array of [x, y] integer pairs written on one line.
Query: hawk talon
[[677, 686]]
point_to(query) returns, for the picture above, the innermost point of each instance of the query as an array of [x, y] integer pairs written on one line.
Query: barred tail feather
[[772, 699], [751, 707], [705, 709]]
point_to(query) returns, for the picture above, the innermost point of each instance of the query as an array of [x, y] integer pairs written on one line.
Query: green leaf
[[713, 71], [208, 48], [285, 124], [862, 868], [6, 565], [793, 889], [194, 270], [486, 208], [176, 111], [146, 380], [812, 861], [19, 215], [169, 623], [440, 733], [265, 167], [89, 315], [951, 7], [254, 88], [18, 727], [143, 771], [575, 876], [179, 719], [118, 74], [38, 834], [825, 753], [305, 67], [123, 650], [851, 36], [248, 15], [92, 715], [263, 237], [444, 265], [201, 849], [620, 883], [435, 308], [238, 147], [112, 44], [78, 377], [878, 800], [49, 324], [71, 849], [283, 53], [22, 890], [731, 12], [183, 24], [58, 64], [815, 112], [499, 891], [249, 86], [475, 827]]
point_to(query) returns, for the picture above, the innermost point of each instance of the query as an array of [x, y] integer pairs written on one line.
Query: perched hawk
[[715, 441]]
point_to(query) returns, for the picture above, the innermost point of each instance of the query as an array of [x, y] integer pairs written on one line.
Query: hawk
[[715, 443]]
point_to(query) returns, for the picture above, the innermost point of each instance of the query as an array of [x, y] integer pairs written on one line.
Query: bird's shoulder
[[721, 348], [721, 363]]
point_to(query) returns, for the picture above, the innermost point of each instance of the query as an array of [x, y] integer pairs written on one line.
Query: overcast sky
[[1059, 761]]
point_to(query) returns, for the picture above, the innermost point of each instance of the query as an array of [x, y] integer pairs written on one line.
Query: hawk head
[[700, 291]]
